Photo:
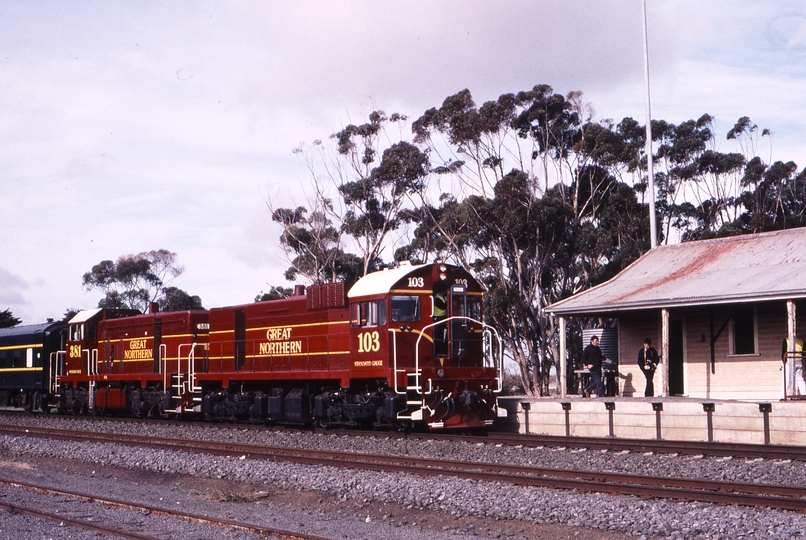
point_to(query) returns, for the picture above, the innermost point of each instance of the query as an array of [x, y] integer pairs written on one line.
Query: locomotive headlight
[[443, 277], [443, 268], [441, 372]]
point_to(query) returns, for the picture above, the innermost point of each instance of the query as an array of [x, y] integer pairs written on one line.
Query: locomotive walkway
[[749, 494]]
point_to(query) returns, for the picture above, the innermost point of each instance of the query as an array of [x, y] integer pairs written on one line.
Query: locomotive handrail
[[92, 361], [163, 352], [56, 361], [191, 367], [394, 360], [487, 329], [163, 363]]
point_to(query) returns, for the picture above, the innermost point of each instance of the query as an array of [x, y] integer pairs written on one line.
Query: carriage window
[[405, 308], [368, 313]]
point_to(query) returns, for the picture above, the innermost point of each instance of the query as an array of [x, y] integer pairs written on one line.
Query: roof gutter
[[634, 306]]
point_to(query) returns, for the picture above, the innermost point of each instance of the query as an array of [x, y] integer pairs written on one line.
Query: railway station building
[[718, 311]]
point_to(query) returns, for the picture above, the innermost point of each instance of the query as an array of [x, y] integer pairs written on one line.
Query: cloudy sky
[[129, 126]]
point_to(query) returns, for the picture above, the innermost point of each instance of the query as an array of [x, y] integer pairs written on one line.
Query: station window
[[743, 330], [405, 308], [368, 313]]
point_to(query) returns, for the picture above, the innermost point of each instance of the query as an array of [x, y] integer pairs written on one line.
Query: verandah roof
[[744, 268]]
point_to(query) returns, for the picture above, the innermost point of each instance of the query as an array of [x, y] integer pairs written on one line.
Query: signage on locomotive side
[[279, 342], [138, 350], [368, 363], [368, 342]]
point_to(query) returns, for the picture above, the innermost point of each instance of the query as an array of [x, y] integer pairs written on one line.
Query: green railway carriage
[[29, 359]]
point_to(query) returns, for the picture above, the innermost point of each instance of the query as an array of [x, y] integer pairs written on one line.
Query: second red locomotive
[[401, 347]]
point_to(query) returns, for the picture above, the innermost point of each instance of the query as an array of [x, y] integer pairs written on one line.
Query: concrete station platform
[[670, 418]]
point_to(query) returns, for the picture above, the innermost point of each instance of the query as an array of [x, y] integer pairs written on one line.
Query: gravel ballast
[[451, 497]]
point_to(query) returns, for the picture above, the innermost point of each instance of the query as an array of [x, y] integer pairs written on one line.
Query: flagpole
[[653, 235]]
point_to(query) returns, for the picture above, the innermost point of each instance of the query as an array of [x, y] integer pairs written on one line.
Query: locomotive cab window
[[76, 332], [474, 308], [368, 313], [405, 308]]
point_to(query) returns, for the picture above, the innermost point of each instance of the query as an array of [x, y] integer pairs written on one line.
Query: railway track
[[660, 446], [747, 494], [614, 444], [145, 508]]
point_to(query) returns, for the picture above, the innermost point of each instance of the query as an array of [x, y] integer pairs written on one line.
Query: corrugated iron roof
[[745, 268]]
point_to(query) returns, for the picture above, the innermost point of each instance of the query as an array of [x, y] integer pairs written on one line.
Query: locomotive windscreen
[[405, 308]]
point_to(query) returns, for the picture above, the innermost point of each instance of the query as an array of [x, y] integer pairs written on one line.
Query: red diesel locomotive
[[401, 347]]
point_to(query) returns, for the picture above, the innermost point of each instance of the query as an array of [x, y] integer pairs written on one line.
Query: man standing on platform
[[592, 359], [648, 361]]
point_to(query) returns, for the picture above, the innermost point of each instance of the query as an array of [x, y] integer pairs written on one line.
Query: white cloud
[[11, 288], [126, 126]]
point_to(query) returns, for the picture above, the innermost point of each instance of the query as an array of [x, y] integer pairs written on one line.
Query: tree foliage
[[8, 320], [275, 293], [135, 281], [535, 197], [375, 179]]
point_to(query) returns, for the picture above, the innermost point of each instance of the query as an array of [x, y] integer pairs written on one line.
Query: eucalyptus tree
[[313, 245], [537, 232], [378, 182], [699, 186], [8, 320], [375, 200], [774, 199], [534, 196], [135, 281]]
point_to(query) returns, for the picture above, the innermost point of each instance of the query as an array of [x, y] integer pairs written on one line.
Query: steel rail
[[783, 497], [742, 450], [663, 446], [73, 522], [156, 510]]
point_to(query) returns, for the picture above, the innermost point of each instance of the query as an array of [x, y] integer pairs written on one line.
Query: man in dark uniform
[[592, 359], [648, 362]]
